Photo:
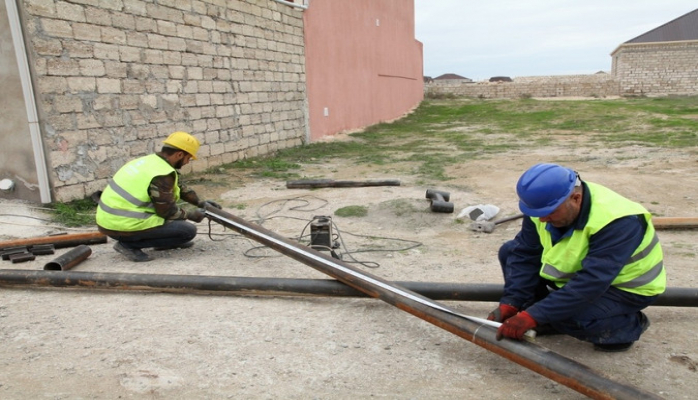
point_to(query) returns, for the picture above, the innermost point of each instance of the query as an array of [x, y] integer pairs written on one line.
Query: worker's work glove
[[502, 313], [516, 326], [197, 215], [204, 203]]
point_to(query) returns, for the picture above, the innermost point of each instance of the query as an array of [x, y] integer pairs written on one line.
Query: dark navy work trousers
[[170, 234]]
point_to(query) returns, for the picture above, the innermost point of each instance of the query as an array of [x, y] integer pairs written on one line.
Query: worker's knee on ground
[[180, 231], [192, 231]]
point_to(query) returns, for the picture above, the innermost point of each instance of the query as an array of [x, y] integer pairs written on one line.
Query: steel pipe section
[[69, 259], [530, 355], [58, 241], [258, 286]]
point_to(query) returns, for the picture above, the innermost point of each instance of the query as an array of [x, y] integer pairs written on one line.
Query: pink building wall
[[363, 64]]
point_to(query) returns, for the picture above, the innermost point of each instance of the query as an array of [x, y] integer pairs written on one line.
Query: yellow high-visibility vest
[[125, 204], [642, 274]]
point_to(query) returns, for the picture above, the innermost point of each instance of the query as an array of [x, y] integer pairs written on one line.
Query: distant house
[[661, 61], [500, 79], [684, 27], [451, 78]]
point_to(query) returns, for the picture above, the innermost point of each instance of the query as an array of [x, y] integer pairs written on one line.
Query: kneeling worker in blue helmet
[[139, 207], [585, 263]]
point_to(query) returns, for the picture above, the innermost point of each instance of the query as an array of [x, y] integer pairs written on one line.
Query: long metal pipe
[[258, 286], [58, 241], [230, 285], [530, 355]]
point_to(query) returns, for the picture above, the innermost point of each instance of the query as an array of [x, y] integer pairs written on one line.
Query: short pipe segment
[[69, 259]]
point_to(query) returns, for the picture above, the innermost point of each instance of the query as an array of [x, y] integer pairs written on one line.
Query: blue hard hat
[[543, 187]]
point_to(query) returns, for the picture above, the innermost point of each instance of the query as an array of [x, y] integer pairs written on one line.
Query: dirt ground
[[91, 344]]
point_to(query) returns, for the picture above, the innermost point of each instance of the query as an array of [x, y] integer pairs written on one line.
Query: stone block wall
[[597, 85], [657, 69], [114, 78]]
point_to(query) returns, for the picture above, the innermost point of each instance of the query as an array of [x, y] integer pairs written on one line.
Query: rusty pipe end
[[69, 259]]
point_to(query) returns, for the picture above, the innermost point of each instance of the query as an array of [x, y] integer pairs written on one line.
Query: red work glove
[[516, 326], [503, 313]]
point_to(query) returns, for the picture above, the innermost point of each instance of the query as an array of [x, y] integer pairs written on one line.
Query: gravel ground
[[99, 344]]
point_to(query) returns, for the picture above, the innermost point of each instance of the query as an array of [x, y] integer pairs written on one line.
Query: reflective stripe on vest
[[645, 278], [641, 280], [128, 197], [556, 273], [647, 250]]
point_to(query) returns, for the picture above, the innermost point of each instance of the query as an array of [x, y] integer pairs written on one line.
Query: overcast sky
[[512, 38]]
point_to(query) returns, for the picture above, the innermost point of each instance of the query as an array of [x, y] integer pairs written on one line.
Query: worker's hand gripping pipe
[[538, 359]]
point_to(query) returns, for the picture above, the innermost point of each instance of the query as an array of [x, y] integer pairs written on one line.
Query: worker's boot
[[619, 347], [135, 255]]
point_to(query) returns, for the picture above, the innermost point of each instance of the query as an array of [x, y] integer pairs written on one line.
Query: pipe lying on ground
[[530, 355], [58, 241], [675, 222], [252, 286], [326, 183], [70, 259]]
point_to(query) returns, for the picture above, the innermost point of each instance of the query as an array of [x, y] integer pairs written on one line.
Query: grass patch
[[352, 211], [400, 207], [267, 167], [202, 180], [446, 131], [442, 132], [75, 213]]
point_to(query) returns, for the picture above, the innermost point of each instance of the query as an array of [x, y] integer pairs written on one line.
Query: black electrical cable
[[302, 207], [26, 216], [305, 206], [368, 264]]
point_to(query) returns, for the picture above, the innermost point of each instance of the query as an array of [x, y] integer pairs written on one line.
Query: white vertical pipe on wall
[[29, 101], [306, 110], [288, 3]]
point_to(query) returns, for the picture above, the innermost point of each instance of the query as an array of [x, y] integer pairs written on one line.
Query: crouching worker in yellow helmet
[[139, 209]]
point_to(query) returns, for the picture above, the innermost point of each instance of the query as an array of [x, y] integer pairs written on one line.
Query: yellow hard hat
[[183, 141]]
